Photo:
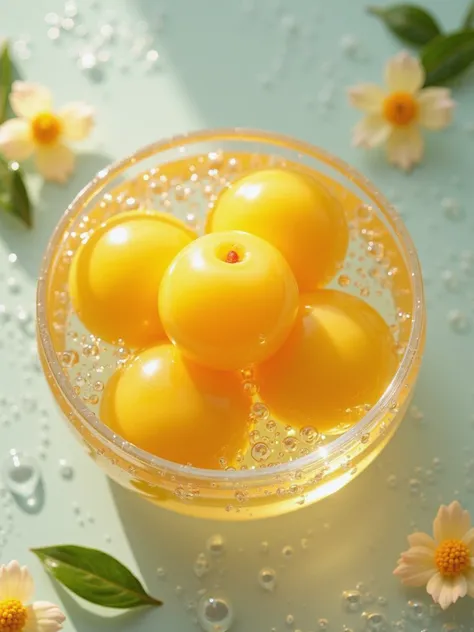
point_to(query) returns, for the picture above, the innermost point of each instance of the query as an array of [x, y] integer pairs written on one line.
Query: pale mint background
[[240, 63]]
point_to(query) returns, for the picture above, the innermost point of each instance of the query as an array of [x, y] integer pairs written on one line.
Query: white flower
[[16, 590], [395, 114], [40, 131], [446, 563]]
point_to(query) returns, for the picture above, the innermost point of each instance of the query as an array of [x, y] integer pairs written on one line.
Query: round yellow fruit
[[339, 357], [295, 213], [115, 276], [228, 300], [177, 410]]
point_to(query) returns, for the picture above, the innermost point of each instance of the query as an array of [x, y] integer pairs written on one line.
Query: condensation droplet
[[287, 551], [22, 477], [215, 614], [417, 610], [375, 621], [260, 451], [215, 545], [267, 579], [201, 565], [352, 600], [66, 470]]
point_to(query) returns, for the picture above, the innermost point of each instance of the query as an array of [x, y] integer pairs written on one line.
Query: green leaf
[[468, 22], [408, 22], [447, 56], [13, 194], [5, 81], [95, 576]]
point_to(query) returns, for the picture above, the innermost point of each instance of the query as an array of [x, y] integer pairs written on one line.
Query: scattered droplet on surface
[[374, 621], [267, 579], [201, 565], [160, 571], [215, 544], [66, 470], [290, 619], [458, 321], [417, 610], [287, 551], [22, 477], [352, 600], [215, 613]]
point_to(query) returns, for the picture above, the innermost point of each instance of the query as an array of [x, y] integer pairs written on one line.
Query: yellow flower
[[40, 131], [395, 114], [445, 563], [16, 589]]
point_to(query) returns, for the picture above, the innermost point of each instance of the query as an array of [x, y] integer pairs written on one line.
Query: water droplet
[[87, 61], [364, 213], [323, 624], [201, 565], [66, 470], [4, 315], [417, 610], [344, 280], [352, 600], [215, 614], [54, 33], [434, 610], [160, 571], [264, 547], [287, 551], [13, 285], [374, 621], [382, 601], [22, 477], [289, 619], [215, 545], [451, 208], [458, 321], [414, 485], [267, 579]]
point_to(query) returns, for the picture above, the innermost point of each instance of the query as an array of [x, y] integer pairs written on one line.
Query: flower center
[[13, 615], [452, 558], [46, 128], [400, 108]]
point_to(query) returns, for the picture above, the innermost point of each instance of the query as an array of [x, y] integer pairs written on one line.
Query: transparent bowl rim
[[258, 475]]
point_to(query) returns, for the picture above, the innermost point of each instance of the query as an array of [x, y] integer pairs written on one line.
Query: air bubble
[[260, 411], [260, 451], [309, 434], [375, 622], [69, 358]]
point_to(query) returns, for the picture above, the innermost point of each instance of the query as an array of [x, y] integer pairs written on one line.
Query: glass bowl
[[382, 266]]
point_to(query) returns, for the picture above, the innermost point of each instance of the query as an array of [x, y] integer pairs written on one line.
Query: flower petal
[[448, 593], [459, 587], [468, 539], [16, 582], [415, 576], [421, 539], [44, 617], [371, 131], [436, 108], [78, 120], [404, 73], [421, 555], [367, 97], [452, 521], [470, 582], [16, 142], [28, 99], [405, 147], [434, 586], [55, 163]]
